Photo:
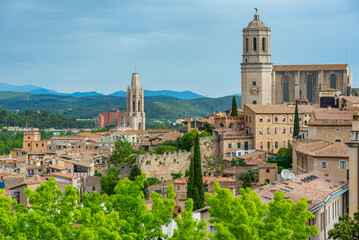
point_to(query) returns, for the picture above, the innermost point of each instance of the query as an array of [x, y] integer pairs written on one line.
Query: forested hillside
[[156, 107]]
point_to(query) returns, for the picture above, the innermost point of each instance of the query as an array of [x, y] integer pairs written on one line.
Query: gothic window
[[310, 88], [254, 44], [333, 81], [263, 44], [285, 88], [246, 45], [254, 83]]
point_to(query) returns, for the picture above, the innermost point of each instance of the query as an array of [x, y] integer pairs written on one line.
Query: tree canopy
[[347, 228], [122, 153]]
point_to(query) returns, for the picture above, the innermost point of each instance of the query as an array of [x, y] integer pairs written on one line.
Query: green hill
[[156, 107]]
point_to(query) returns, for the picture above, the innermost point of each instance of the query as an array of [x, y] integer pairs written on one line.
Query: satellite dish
[[286, 174]]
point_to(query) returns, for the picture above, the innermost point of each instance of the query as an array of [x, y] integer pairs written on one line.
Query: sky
[[194, 45]]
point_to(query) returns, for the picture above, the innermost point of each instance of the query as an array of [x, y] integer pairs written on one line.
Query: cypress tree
[[296, 121], [195, 187], [234, 107]]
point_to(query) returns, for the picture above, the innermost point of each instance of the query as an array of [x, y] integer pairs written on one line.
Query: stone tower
[[256, 67], [135, 115]]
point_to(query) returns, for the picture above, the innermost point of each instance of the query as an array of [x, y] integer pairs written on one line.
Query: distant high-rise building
[[113, 117], [135, 115]]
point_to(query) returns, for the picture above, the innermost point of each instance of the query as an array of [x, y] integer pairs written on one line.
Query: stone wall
[[162, 165]]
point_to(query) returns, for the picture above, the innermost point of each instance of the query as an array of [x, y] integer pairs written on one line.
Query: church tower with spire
[[135, 115], [256, 66]]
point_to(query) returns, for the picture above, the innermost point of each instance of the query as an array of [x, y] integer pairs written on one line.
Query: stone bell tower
[[135, 115], [256, 66]]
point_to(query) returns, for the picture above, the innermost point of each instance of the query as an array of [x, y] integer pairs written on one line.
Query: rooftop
[[266, 108], [315, 186], [324, 149], [313, 67]]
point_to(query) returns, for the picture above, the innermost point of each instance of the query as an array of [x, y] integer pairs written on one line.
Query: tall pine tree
[[296, 121], [234, 107], [195, 187]]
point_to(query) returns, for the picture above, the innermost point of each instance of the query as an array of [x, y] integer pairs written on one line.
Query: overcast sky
[[92, 45]]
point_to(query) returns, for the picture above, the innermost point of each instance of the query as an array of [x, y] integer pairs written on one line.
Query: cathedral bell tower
[[256, 66], [135, 115]]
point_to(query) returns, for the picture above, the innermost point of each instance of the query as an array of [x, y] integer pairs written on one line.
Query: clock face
[[254, 90]]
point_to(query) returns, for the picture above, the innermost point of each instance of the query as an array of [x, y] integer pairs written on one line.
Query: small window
[[261, 145], [28, 144], [268, 145], [267, 170], [276, 130], [260, 119], [261, 131], [268, 119], [324, 165], [291, 118], [239, 145], [291, 130], [254, 44], [178, 187], [338, 129], [276, 119], [343, 164], [246, 45], [254, 102], [254, 83], [234, 154], [338, 140], [228, 154], [283, 119], [229, 145], [268, 130], [263, 44], [284, 144], [276, 145], [283, 130]]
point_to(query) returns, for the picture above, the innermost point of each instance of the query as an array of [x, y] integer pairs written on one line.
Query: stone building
[[270, 125], [135, 115], [32, 142], [261, 79], [113, 117]]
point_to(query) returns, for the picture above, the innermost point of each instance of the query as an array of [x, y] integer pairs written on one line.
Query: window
[[324, 164], [254, 83], [276, 119], [267, 180], [28, 144], [283, 130], [246, 45], [276, 145], [260, 119], [254, 102], [268, 145], [310, 88], [178, 187], [337, 140], [276, 130], [329, 215], [268, 119], [283, 119], [261, 145], [263, 44], [267, 170], [333, 81], [291, 130], [343, 164], [231, 125], [261, 131], [338, 129], [229, 145], [254, 44], [268, 130], [239, 145], [234, 154], [285, 88], [246, 118], [57, 162], [284, 144], [37, 144], [245, 145], [228, 154]]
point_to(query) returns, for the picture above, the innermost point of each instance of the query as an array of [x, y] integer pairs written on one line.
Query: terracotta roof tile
[[266, 108]]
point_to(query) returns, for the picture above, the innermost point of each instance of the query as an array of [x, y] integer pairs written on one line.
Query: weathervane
[[256, 9]]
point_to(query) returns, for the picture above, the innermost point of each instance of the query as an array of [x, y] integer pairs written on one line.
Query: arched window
[[260, 131], [310, 88], [221, 125], [231, 125], [260, 118], [254, 102], [333, 81], [254, 44], [246, 45], [285, 88], [254, 83], [263, 44]]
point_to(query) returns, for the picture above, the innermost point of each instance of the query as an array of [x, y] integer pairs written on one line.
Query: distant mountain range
[[186, 95]]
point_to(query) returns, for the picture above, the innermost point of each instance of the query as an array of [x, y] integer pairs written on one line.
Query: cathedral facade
[[265, 83], [135, 115]]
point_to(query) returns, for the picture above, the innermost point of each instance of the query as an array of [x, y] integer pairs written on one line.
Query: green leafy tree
[[109, 182], [188, 139], [176, 175], [134, 172], [209, 128], [187, 227], [195, 188], [234, 111], [247, 181], [347, 228], [296, 121], [215, 164], [122, 153], [246, 217]]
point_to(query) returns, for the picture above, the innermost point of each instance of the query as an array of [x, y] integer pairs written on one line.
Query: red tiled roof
[[63, 175]]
